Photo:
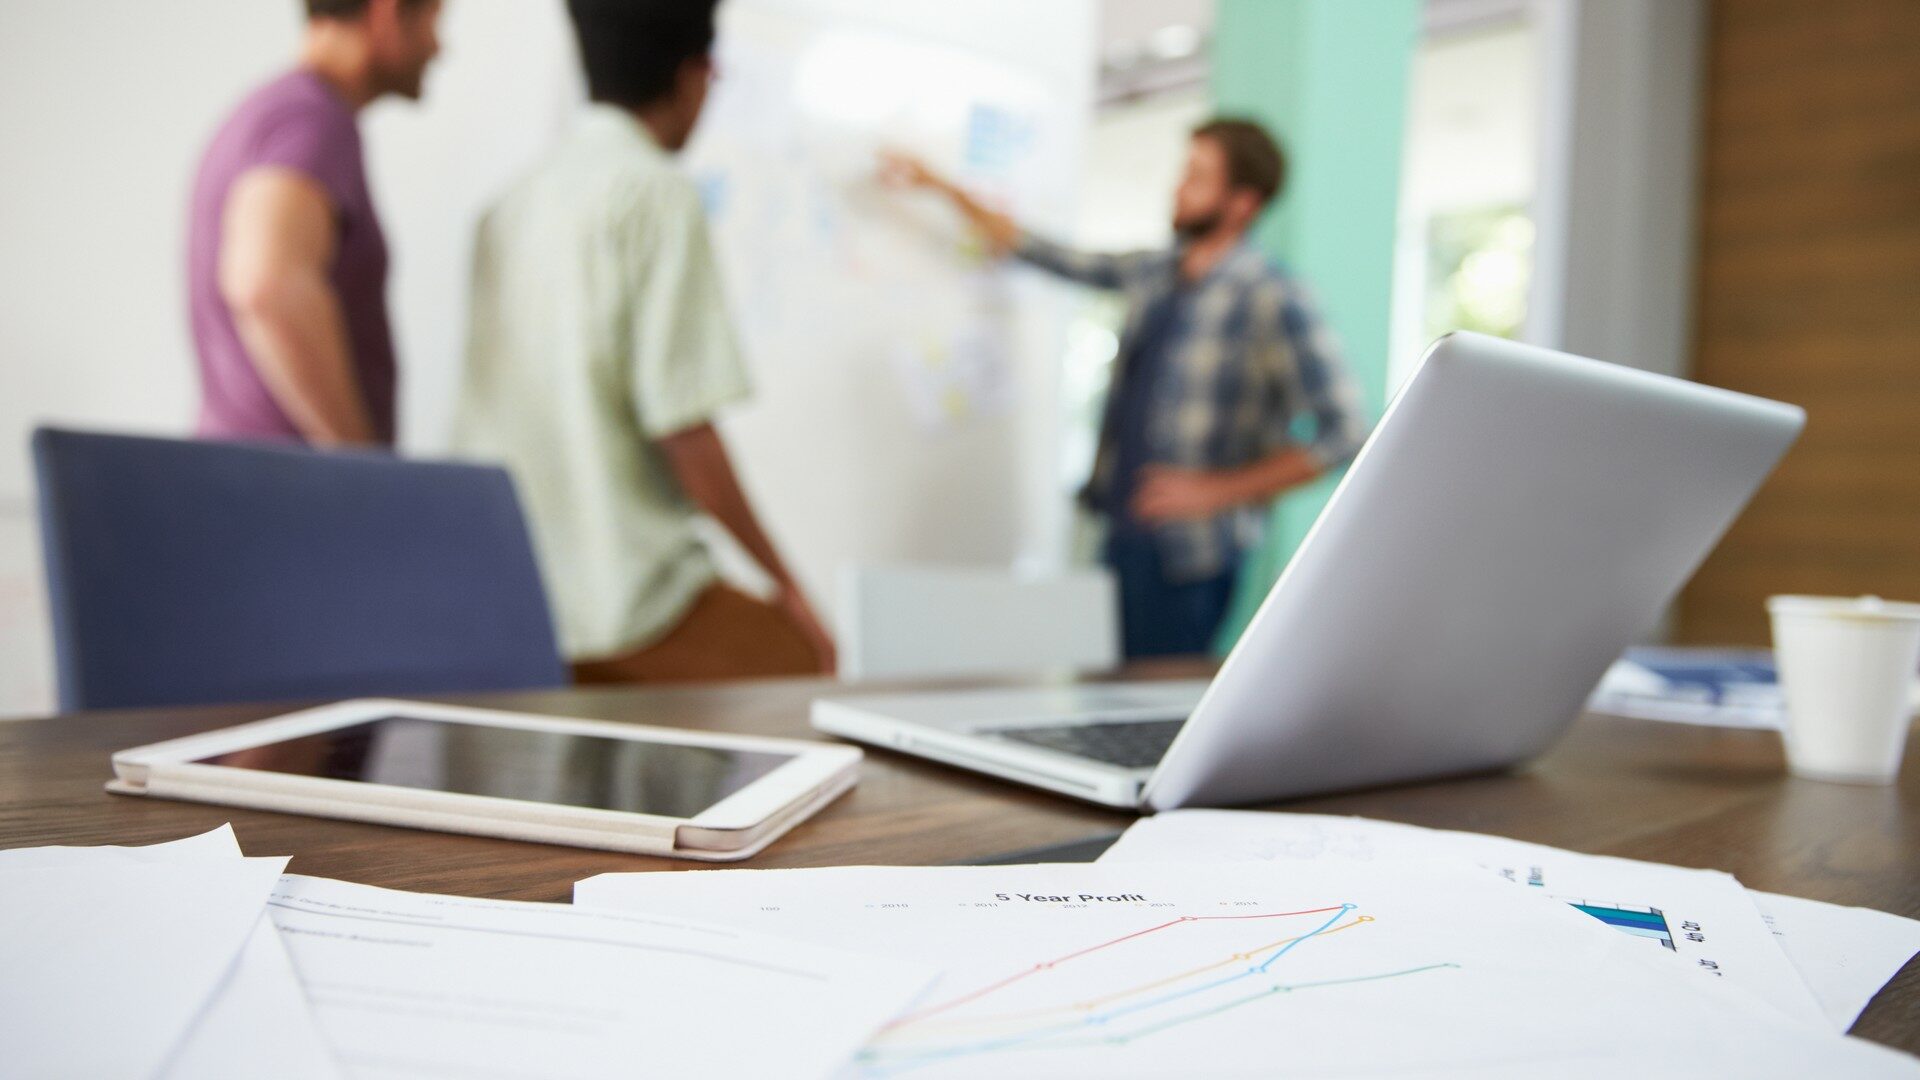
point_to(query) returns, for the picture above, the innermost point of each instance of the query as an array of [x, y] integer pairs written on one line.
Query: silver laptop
[[1518, 517]]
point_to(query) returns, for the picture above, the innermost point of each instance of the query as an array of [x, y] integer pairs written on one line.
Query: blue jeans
[[1159, 617]]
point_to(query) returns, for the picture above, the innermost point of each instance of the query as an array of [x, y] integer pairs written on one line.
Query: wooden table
[[1663, 792]]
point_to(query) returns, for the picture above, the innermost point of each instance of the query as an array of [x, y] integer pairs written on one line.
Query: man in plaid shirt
[[1228, 389]]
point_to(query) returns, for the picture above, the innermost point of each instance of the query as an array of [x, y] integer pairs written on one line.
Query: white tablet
[[589, 783]]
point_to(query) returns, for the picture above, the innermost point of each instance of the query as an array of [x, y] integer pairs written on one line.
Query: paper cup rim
[[1857, 608]]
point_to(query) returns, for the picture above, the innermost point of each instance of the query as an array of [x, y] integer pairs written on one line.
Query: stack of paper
[[147, 962], [1206, 943], [1260, 945], [187, 960]]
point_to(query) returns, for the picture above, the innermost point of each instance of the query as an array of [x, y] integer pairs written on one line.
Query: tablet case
[[477, 815]]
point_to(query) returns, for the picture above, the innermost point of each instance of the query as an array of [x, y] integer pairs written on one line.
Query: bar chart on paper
[[1644, 922], [1704, 919], [1162, 970]]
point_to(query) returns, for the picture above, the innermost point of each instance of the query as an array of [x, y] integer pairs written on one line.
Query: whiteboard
[[906, 386]]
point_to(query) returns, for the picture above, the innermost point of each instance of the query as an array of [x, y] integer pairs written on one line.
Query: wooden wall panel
[[1808, 290]]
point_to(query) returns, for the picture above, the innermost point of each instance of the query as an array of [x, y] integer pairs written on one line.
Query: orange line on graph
[[1046, 965], [1093, 1003]]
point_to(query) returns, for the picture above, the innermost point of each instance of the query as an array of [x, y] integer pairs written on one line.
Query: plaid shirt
[[1251, 357]]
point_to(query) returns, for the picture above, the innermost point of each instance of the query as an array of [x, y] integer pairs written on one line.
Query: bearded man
[[1228, 389]]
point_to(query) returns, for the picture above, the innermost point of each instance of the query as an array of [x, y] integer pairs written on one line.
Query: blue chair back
[[187, 573]]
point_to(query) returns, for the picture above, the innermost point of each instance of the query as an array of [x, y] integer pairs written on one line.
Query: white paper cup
[[1847, 668]]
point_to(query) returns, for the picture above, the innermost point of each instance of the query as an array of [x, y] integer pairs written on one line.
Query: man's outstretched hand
[[902, 170], [898, 169]]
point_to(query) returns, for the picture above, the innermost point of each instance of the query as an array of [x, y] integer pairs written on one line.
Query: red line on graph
[[1047, 964]]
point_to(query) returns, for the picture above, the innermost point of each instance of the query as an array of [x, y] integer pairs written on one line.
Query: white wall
[[103, 107], [1620, 121], [106, 104], [1135, 154], [1472, 142]]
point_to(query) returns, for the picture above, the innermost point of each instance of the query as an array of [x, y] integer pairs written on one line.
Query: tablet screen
[[512, 763]]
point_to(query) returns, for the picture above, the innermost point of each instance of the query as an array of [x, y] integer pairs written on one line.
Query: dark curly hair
[[632, 49]]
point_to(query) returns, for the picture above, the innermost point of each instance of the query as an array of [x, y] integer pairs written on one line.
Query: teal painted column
[[1329, 77]]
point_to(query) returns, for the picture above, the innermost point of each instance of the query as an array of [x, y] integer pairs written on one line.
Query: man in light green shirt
[[600, 351]]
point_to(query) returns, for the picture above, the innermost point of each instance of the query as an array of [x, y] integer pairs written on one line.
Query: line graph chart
[[1074, 999], [1048, 965], [1244, 969]]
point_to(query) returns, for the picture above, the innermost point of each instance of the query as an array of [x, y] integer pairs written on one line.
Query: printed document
[[1122, 970], [257, 1020], [417, 985], [109, 959], [1846, 954], [1701, 918]]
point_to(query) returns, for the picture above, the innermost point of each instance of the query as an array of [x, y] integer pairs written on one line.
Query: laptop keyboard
[[1132, 744]]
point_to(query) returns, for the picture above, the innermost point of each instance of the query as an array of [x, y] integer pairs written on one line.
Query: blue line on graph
[[1284, 949]]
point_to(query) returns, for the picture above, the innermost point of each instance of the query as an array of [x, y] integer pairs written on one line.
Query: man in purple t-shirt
[[286, 263]]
